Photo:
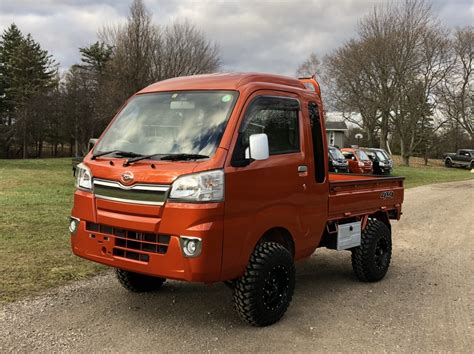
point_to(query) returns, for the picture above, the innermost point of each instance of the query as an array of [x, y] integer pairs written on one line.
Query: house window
[[332, 138]]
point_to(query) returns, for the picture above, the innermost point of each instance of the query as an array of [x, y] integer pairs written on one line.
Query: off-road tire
[[371, 260], [138, 283], [471, 166], [262, 295], [448, 163]]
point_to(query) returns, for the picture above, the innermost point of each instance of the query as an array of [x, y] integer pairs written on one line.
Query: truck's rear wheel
[[370, 261], [448, 163], [138, 283], [264, 292]]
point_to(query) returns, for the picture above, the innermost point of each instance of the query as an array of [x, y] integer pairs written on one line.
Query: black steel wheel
[[448, 163], [262, 295], [138, 283], [371, 260]]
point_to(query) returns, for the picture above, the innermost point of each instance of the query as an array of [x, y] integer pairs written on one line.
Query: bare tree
[[309, 67], [455, 94], [349, 87], [143, 53], [185, 51]]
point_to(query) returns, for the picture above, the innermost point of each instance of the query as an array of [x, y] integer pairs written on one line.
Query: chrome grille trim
[[115, 191]]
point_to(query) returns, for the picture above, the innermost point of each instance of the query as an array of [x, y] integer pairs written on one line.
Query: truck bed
[[352, 195]]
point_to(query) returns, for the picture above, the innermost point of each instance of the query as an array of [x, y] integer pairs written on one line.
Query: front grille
[[149, 194], [132, 244]]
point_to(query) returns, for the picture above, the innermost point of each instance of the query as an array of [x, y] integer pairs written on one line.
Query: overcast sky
[[271, 36]]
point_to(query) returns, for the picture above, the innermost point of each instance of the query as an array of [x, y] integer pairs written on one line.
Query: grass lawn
[[35, 202], [418, 174]]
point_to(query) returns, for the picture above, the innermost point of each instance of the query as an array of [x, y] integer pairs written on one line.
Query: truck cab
[[224, 178], [462, 158], [358, 160]]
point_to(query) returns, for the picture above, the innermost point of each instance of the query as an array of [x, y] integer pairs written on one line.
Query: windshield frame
[[235, 96]]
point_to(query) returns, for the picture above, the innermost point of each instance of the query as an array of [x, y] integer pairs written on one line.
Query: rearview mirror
[[258, 146]]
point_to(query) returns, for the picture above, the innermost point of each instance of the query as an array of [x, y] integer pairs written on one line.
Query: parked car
[[224, 178], [337, 161], [461, 158], [382, 164], [358, 160]]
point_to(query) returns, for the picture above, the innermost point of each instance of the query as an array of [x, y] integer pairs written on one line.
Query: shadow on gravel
[[319, 280]]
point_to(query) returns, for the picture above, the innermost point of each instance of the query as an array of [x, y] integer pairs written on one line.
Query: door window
[[275, 116], [317, 137]]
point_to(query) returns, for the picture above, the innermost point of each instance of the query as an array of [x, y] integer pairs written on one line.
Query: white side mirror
[[258, 147]]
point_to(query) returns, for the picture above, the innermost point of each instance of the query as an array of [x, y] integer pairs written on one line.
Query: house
[[336, 133]]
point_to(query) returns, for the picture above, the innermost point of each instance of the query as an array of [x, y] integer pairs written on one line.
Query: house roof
[[336, 125]]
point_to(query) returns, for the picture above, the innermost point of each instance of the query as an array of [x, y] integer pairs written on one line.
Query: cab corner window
[[277, 118]]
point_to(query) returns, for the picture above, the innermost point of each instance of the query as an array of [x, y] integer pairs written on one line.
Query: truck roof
[[220, 81]]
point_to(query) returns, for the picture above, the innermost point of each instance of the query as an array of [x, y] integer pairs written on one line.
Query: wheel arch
[[279, 235], [383, 217]]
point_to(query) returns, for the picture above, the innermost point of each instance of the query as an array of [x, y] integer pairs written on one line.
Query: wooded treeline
[[43, 113], [405, 81]]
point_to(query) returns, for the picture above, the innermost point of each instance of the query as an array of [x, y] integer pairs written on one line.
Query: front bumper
[[124, 239]]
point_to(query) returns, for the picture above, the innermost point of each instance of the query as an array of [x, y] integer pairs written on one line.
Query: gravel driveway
[[425, 303]]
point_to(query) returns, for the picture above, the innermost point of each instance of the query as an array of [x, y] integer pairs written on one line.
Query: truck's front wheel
[[370, 261], [264, 292], [138, 283]]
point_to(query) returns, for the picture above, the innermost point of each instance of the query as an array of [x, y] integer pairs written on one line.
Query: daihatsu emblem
[[127, 177]]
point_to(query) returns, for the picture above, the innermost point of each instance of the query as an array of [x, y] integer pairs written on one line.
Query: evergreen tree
[[9, 42], [28, 72]]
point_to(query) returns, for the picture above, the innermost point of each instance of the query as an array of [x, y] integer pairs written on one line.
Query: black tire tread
[[361, 256], [138, 283], [246, 286]]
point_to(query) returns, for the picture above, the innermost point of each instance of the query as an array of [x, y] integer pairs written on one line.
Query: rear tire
[[371, 260], [448, 163], [138, 283], [262, 295]]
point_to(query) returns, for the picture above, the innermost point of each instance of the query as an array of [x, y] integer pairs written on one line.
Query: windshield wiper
[[176, 157], [171, 157], [116, 152]]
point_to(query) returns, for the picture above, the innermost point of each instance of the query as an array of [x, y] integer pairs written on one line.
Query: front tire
[[371, 260], [262, 295], [138, 283]]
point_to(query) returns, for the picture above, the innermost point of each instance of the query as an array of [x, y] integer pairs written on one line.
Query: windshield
[[362, 155], [336, 154], [185, 122], [381, 155]]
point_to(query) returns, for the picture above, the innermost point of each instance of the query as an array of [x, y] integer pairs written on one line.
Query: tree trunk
[[403, 152]]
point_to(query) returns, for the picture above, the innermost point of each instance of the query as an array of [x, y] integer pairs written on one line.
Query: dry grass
[[418, 162]]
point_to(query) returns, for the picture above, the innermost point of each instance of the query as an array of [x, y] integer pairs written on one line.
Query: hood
[[151, 171]]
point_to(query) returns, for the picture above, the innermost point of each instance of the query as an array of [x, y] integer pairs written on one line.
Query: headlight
[[199, 187], [361, 164], [381, 164], [83, 177]]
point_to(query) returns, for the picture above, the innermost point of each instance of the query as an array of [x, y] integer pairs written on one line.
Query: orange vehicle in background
[[224, 178], [359, 161]]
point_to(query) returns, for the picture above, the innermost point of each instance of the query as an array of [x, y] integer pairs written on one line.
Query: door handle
[[302, 168]]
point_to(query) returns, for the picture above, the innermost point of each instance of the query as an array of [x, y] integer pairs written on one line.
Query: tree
[[27, 71], [310, 67], [143, 53], [10, 41], [455, 94]]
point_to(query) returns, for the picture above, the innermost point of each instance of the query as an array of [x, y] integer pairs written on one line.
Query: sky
[[269, 36]]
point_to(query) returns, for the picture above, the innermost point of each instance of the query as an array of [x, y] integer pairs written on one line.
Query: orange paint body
[[357, 165], [264, 195]]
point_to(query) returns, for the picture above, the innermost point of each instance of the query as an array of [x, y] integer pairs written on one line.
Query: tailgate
[[357, 195]]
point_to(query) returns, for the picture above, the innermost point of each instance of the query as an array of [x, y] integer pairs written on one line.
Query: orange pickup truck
[[224, 178]]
